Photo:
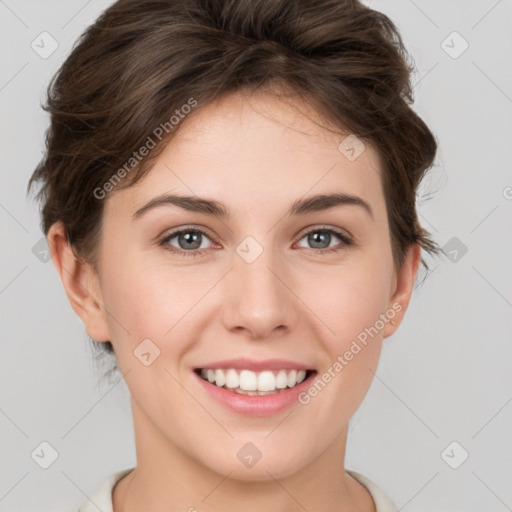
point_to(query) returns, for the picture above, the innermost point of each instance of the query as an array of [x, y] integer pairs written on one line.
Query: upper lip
[[255, 365]]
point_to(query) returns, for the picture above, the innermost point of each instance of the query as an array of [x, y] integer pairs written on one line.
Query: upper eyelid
[[186, 229], [320, 227]]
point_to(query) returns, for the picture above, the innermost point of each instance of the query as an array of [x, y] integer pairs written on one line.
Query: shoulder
[[382, 502], [101, 497]]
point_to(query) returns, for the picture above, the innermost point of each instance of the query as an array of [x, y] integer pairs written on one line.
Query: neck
[[167, 477]]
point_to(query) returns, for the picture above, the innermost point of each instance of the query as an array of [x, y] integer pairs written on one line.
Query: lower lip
[[255, 405]]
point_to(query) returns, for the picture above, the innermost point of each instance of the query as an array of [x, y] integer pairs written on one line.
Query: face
[[313, 287]]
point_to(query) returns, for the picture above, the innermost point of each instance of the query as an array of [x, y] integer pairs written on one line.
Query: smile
[[248, 382]]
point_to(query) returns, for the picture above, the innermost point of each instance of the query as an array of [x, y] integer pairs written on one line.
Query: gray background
[[443, 377]]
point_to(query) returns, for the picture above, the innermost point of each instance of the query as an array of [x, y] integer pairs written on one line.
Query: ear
[[80, 283], [403, 283]]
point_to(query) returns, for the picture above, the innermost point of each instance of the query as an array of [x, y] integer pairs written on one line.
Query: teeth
[[281, 380], [220, 378], [292, 379], [247, 382], [232, 379], [266, 381]]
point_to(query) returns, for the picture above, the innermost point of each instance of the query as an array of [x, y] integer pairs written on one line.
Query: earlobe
[[403, 285], [80, 284]]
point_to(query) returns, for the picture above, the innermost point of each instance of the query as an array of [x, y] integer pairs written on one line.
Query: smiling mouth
[[248, 382]]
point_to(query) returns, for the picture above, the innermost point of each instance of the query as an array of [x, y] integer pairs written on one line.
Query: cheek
[[148, 302], [349, 301], [354, 296]]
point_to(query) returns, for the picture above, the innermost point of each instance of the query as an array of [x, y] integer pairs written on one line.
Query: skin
[[256, 155]]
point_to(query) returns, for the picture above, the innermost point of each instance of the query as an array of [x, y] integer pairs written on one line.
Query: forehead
[[250, 150]]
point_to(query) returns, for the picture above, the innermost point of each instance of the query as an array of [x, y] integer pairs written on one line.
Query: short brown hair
[[141, 60]]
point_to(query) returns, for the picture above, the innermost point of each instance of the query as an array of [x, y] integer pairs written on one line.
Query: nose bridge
[[258, 299]]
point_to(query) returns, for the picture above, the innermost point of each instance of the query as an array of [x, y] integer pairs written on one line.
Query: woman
[[228, 193]]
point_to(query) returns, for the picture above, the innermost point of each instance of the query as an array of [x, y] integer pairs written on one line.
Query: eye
[[189, 241], [321, 238]]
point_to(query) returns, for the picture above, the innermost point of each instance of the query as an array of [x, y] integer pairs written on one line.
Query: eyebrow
[[319, 202]]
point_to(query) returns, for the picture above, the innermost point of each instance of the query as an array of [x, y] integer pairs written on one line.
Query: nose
[[259, 298]]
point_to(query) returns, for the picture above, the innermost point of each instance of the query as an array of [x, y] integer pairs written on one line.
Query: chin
[[252, 464]]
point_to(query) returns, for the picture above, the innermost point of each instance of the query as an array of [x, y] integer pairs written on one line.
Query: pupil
[[189, 237], [314, 239]]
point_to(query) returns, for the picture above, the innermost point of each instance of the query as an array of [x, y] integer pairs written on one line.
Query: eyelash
[[345, 241]]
